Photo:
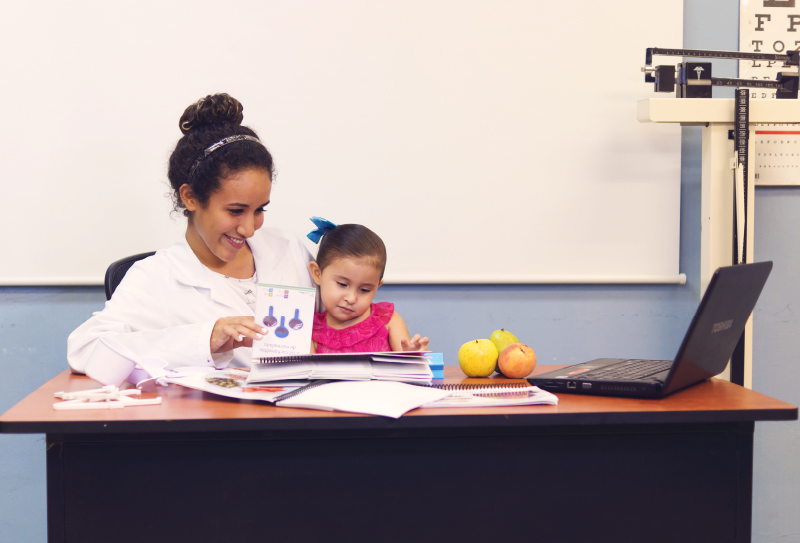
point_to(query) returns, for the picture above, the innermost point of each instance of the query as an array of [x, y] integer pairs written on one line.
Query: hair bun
[[213, 109]]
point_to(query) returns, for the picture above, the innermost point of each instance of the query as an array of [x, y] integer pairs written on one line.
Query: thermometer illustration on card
[[269, 320], [282, 331]]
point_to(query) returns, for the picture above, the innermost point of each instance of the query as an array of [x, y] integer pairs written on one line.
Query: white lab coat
[[166, 306]]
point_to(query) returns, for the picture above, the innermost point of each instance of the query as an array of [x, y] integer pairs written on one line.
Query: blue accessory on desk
[[323, 227]]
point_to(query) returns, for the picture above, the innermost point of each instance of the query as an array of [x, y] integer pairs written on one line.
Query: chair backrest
[[118, 269]]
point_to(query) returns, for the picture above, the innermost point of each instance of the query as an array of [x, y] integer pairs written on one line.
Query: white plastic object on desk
[[107, 397]]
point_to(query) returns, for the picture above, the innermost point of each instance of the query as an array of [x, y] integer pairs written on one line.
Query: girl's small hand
[[232, 332], [416, 343]]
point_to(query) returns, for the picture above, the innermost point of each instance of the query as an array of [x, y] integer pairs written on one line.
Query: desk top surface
[[188, 410]]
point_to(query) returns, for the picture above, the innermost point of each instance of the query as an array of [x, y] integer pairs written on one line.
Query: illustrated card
[[288, 315]]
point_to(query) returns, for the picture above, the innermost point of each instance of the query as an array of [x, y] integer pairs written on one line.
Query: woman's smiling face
[[218, 229]]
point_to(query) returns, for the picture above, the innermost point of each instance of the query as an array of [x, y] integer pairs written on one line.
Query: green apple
[[501, 340], [478, 358]]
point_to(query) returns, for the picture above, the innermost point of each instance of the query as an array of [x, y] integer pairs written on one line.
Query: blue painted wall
[[564, 324]]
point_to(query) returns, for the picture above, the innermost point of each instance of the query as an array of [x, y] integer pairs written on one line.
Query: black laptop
[[708, 345]]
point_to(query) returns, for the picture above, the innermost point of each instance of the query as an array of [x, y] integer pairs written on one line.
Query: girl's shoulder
[[383, 311], [320, 320]]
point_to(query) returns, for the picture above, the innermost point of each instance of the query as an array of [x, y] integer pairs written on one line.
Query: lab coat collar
[[188, 270], [268, 250], [269, 247]]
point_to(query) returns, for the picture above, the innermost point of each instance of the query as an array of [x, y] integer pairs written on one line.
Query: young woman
[[194, 302]]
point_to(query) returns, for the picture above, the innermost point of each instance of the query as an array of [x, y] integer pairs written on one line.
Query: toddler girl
[[349, 269]]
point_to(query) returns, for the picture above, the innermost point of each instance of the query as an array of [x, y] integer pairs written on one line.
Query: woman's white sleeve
[[140, 322]]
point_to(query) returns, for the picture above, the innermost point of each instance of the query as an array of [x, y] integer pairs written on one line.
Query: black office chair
[[118, 269]]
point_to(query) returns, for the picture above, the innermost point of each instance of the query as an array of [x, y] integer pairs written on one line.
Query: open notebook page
[[385, 398]]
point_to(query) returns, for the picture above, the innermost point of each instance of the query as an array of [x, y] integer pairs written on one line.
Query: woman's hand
[[416, 343], [233, 332]]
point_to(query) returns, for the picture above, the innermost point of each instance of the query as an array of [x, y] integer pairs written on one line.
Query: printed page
[[233, 384]]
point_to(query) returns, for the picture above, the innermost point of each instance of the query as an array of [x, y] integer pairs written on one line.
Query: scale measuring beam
[[789, 59], [694, 80]]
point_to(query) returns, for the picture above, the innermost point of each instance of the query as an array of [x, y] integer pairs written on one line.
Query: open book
[[384, 398], [233, 384]]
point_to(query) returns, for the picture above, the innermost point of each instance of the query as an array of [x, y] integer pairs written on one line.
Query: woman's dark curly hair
[[204, 123]]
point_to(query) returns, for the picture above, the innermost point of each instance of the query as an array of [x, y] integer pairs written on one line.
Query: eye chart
[[771, 26]]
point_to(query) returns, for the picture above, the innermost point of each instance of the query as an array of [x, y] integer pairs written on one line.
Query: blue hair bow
[[323, 227]]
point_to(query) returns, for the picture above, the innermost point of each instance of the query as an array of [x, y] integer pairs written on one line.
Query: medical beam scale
[[694, 80]]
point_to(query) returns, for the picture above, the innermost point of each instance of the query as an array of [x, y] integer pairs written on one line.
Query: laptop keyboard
[[628, 369]]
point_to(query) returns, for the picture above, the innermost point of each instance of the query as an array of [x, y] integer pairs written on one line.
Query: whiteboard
[[483, 141]]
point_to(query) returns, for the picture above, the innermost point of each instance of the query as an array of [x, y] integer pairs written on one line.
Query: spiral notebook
[[492, 395], [410, 367]]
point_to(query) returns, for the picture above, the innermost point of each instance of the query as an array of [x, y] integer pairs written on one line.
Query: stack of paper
[[261, 373], [409, 373], [360, 367], [343, 371]]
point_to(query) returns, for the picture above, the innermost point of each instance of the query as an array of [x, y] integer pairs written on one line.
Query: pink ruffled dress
[[369, 335]]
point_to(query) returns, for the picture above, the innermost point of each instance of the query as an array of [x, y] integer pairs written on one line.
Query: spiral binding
[[339, 357], [479, 386], [284, 359]]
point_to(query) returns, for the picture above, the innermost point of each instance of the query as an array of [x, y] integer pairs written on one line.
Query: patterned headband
[[221, 143]]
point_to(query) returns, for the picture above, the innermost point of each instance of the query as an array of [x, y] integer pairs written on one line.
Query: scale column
[[718, 210]]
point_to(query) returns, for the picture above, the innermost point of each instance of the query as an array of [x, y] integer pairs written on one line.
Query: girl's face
[[347, 287], [218, 229]]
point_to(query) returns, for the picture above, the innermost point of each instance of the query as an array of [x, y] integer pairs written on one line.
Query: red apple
[[517, 361]]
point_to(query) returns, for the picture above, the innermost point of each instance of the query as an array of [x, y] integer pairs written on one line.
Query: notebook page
[[385, 398]]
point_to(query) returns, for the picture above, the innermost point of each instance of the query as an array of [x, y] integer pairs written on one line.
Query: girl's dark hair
[[203, 124], [351, 241]]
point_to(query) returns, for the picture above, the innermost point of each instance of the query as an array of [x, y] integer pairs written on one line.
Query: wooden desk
[[204, 468]]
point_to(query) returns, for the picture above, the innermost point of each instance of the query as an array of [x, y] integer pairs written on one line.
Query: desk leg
[[744, 517], [55, 491]]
